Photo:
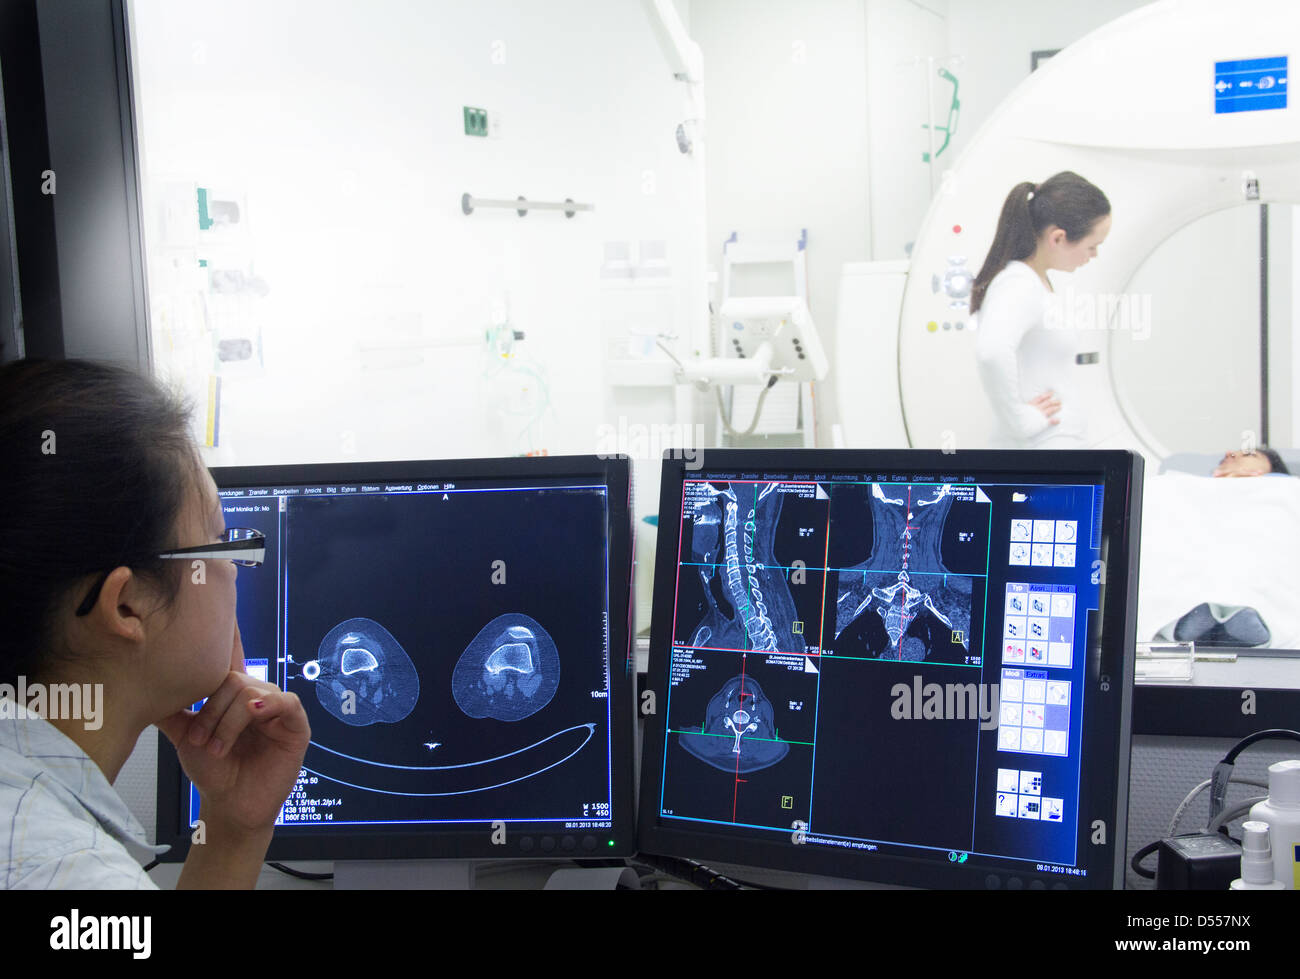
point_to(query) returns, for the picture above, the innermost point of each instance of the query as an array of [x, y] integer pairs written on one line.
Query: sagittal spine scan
[[904, 579], [363, 675], [739, 731], [750, 596], [509, 671]]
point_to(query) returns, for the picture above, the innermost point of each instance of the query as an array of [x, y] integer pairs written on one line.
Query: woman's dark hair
[[98, 461], [1274, 460], [1065, 200]]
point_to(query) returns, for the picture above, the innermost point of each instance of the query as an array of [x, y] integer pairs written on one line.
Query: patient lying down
[[1220, 557], [1262, 462]]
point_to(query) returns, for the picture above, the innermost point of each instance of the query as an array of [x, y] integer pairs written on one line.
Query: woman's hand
[[243, 751], [1048, 405]]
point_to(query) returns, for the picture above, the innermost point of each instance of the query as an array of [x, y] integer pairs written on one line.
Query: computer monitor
[[910, 667], [458, 634]]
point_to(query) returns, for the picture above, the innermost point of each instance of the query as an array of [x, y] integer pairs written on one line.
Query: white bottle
[[1281, 810], [1256, 860]]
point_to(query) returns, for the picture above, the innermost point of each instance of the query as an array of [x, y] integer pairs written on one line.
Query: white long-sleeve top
[[1023, 352]]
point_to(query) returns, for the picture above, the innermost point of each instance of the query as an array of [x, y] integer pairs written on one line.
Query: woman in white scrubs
[[1024, 346]]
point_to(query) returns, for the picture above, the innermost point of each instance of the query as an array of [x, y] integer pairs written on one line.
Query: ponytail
[[1066, 201], [1014, 239]]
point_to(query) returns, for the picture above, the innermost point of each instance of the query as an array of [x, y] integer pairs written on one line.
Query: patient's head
[[1261, 462]]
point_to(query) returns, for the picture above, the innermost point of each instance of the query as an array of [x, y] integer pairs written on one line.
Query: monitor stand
[[404, 875]]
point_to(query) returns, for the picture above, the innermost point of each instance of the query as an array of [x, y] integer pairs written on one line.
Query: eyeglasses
[[242, 545]]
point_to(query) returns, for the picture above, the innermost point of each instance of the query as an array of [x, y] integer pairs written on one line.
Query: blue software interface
[[877, 662], [450, 643]]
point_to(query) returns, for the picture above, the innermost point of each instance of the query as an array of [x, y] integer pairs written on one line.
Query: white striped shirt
[[61, 824]]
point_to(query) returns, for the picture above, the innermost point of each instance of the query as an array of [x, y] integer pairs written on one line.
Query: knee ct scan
[[462, 677]]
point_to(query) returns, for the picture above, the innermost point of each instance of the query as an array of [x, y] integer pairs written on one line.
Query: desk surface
[[1227, 698], [1247, 669]]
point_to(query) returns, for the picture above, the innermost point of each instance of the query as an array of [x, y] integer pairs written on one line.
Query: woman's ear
[[118, 612]]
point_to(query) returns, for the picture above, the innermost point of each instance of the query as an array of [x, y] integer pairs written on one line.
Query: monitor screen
[[458, 634], [910, 667]]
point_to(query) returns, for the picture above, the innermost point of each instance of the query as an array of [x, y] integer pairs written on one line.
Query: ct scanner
[[1132, 107]]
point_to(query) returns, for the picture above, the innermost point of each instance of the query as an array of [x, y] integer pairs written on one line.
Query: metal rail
[[522, 205]]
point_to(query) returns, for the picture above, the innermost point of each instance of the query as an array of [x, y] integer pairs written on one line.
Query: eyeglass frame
[[225, 550]]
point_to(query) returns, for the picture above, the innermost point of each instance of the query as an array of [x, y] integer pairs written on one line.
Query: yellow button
[[932, 326]]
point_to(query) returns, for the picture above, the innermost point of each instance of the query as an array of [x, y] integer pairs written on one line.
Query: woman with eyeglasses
[[118, 577]]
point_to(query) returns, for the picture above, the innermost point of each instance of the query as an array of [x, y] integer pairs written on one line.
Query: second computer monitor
[[912, 667]]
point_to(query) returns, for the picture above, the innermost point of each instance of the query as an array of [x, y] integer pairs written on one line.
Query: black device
[[458, 632], [1197, 862], [911, 667]]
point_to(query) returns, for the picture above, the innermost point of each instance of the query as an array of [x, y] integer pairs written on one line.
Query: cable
[[300, 874], [1142, 854], [688, 870], [698, 874], [1187, 801], [304, 875], [671, 356], [1236, 812], [1273, 732], [722, 411], [1214, 827], [1222, 773], [506, 362], [758, 409], [1218, 783]]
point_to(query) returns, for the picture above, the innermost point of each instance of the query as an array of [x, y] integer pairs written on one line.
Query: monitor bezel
[[388, 843], [1109, 671]]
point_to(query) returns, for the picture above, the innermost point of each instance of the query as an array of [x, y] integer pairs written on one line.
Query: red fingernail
[[259, 704]]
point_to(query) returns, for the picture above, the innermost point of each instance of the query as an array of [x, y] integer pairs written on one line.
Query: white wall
[[994, 39], [342, 125], [902, 38], [786, 87]]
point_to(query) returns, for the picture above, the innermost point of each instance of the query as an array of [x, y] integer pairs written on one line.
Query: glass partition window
[[314, 282]]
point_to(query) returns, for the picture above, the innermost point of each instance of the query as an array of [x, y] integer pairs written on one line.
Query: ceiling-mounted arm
[[683, 55]]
